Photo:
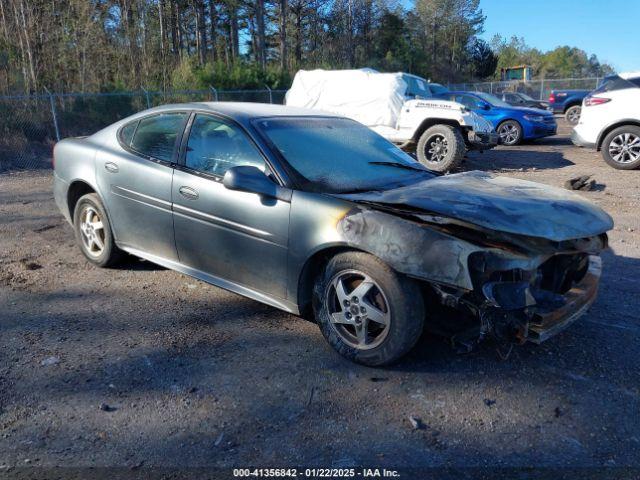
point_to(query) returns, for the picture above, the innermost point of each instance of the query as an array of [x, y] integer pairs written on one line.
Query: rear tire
[[441, 148], [93, 232], [614, 151], [572, 115], [367, 312]]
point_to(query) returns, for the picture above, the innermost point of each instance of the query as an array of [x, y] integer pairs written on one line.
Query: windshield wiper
[[406, 166]]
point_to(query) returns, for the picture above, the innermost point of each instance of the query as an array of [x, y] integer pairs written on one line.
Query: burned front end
[[537, 299], [512, 287]]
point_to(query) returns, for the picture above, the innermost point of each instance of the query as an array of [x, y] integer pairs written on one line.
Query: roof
[[242, 110]]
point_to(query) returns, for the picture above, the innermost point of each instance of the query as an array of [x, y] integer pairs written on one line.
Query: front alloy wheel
[[437, 149], [359, 309], [510, 133], [368, 312]]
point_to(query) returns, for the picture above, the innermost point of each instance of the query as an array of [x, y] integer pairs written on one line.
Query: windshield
[[339, 155], [526, 97], [438, 89], [492, 99], [416, 87]]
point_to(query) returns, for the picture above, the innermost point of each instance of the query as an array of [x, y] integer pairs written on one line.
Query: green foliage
[[483, 58], [189, 75], [561, 62]]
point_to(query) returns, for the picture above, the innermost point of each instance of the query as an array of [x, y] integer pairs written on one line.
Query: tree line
[[107, 45]]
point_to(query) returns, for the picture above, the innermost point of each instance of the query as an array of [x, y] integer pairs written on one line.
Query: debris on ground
[[416, 422], [107, 408], [583, 182], [378, 379], [489, 402], [50, 361]]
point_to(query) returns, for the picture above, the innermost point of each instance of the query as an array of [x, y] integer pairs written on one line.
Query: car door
[[473, 103], [237, 236], [136, 182]]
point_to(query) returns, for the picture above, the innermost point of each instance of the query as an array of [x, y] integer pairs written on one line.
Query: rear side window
[[614, 82], [126, 133], [156, 136]]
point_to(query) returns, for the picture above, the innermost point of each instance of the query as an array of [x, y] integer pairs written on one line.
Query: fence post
[[53, 113], [146, 94], [215, 92], [490, 87], [270, 94], [542, 89]]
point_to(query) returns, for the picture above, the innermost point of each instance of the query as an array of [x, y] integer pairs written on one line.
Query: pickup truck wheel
[[441, 148], [572, 115], [510, 133], [621, 148], [367, 312], [93, 232]]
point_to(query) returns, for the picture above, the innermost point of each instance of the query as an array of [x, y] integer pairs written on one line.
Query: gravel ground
[[144, 367]]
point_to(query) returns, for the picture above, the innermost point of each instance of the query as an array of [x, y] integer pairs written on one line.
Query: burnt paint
[[499, 203]]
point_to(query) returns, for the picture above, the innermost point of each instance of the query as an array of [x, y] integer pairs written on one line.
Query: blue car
[[513, 124]]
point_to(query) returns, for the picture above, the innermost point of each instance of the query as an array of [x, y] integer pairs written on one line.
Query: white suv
[[610, 121]]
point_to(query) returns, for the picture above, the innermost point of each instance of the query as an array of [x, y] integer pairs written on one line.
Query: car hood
[[499, 203], [530, 111]]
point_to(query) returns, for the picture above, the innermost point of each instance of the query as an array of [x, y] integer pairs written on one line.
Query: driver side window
[[214, 146]]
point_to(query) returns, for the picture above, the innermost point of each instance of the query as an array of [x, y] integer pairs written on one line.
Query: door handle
[[188, 192], [111, 167]]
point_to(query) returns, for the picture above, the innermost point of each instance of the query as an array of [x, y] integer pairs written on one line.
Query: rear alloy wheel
[[93, 232], [366, 311], [621, 148], [510, 133], [441, 148], [572, 115]]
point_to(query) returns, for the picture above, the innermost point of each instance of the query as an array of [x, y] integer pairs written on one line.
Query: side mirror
[[250, 179], [484, 106]]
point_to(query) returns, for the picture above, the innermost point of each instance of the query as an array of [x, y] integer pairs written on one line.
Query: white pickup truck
[[399, 107]]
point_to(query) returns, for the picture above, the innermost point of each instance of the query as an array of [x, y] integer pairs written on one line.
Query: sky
[[608, 28]]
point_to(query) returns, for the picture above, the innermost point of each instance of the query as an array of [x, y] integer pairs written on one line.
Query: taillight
[[552, 98], [592, 101]]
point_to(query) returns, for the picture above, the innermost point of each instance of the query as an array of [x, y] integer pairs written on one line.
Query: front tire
[[621, 148], [510, 133], [93, 232], [367, 312], [441, 148], [572, 115]]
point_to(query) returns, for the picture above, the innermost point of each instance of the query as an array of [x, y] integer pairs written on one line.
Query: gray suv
[[319, 216]]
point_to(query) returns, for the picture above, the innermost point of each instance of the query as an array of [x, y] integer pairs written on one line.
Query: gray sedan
[[319, 216]]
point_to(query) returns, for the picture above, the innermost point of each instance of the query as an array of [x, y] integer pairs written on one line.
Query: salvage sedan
[[319, 216]]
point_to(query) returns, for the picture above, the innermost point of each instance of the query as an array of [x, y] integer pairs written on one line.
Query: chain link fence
[[539, 89], [31, 125]]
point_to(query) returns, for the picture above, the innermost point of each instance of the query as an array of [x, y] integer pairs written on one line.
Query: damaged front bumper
[[536, 310], [546, 323]]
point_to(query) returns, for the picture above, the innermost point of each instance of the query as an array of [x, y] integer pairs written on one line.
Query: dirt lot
[[141, 366]]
